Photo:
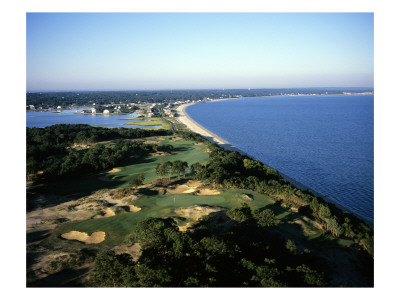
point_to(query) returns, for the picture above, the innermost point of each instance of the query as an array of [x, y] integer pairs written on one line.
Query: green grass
[[184, 151], [150, 122], [131, 168], [120, 227]]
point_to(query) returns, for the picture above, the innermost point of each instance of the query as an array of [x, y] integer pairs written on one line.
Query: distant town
[[158, 102]]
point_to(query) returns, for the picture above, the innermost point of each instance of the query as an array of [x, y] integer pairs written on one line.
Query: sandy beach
[[197, 128]]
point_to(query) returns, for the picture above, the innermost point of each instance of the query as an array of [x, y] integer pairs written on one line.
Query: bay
[[324, 142], [69, 116]]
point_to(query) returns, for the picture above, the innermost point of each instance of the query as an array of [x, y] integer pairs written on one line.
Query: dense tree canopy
[[246, 255]]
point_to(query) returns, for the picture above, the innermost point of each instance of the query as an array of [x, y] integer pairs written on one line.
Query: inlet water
[[45, 118], [324, 142]]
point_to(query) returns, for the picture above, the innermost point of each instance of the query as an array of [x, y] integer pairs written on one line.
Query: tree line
[[248, 254], [50, 149]]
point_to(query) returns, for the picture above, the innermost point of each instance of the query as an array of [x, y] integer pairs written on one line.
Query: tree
[[291, 246], [240, 214], [266, 218], [160, 170], [334, 227], [151, 233], [314, 204], [179, 167], [324, 211], [195, 168], [112, 270], [137, 181]]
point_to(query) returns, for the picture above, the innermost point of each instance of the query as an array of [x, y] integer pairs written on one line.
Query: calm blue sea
[[45, 118], [323, 142]]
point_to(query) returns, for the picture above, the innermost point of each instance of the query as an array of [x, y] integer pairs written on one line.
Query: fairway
[[121, 226], [183, 150], [129, 169]]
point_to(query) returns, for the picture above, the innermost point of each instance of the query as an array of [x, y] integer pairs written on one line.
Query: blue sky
[[128, 51]]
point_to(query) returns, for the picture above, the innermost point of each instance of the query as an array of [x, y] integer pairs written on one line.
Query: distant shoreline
[[197, 128]]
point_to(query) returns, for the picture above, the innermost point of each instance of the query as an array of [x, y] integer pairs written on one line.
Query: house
[[106, 112], [93, 110]]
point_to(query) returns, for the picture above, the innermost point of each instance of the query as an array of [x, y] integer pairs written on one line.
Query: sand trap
[[191, 187], [181, 189], [207, 192], [194, 213], [161, 139], [133, 208], [108, 212], [115, 170], [151, 142], [246, 197], [94, 238], [159, 153], [176, 139], [133, 250], [198, 144]]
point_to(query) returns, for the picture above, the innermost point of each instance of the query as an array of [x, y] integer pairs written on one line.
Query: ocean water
[[324, 142], [45, 118]]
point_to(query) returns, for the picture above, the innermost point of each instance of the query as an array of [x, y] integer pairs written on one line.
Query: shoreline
[[205, 133]]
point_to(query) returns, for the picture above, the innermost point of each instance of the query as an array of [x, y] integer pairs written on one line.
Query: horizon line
[[190, 89]]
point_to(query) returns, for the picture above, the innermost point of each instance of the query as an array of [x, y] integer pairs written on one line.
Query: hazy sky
[[127, 51]]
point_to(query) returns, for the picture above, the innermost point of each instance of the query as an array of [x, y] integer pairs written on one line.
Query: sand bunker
[[181, 189], [133, 208], [194, 213], [198, 144], [176, 139], [187, 188], [133, 250], [207, 192], [151, 142], [94, 238], [159, 153], [161, 139], [108, 212], [115, 170], [191, 187], [246, 197]]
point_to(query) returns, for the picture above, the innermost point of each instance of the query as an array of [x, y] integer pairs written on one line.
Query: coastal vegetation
[[175, 210], [62, 150]]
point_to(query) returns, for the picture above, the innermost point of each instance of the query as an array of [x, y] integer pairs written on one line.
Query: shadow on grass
[[65, 278], [183, 148], [57, 192], [37, 236]]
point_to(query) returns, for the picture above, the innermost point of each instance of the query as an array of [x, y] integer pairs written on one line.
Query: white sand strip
[[197, 128]]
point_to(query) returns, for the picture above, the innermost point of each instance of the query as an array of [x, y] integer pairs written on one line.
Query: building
[[106, 112]]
